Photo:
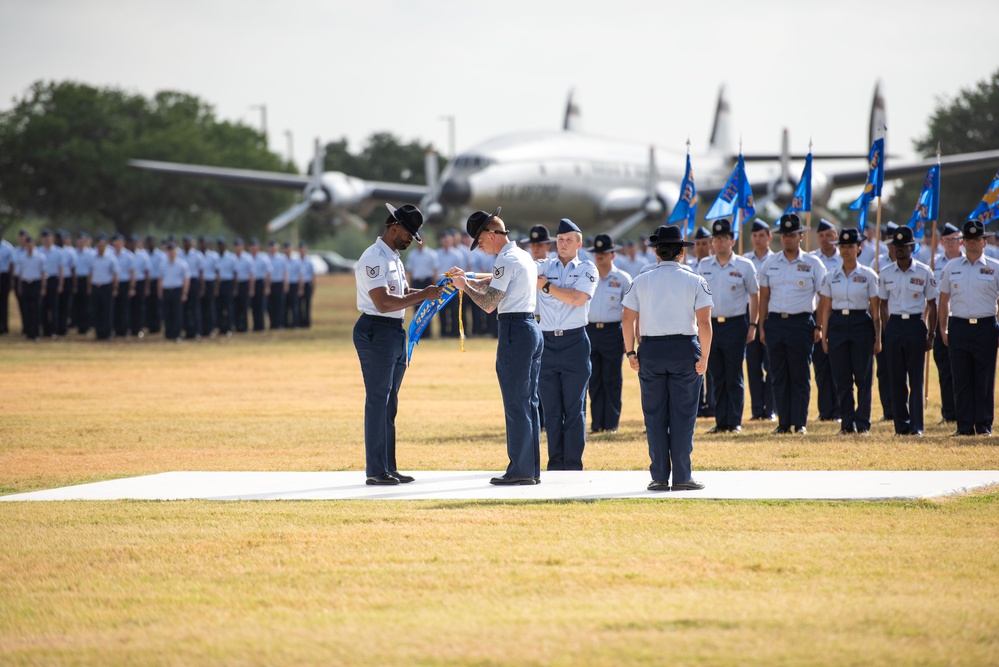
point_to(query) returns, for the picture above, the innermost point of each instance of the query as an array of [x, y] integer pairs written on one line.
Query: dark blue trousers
[[241, 305], [381, 348], [941, 357], [49, 315], [825, 384], [258, 304], [851, 356], [6, 280], [518, 364], [728, 349], [135, 305], [565, 376], [759, 378], [31, 306], [81, 306], [173, 312], [884, 383], [208, 310], [292, 308], [153, 310], [789, 341], [905, 341], [306, 307], [670, 391], [973, 366], [192, 310], [224, 305], [275, 306], [606, 378], [102, 310]]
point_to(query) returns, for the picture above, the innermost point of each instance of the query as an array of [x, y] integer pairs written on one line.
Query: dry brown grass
[[447, 583]]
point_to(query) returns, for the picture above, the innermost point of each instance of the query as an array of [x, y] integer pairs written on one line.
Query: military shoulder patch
[[498, 272], [373, 271]]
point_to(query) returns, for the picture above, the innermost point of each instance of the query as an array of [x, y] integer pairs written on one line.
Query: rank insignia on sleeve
[[498, 272], [373, 271]]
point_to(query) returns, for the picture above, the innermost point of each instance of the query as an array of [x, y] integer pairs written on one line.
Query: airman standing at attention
[[733, 284], [850, 317], [49, 314], [6, 281], [789, 282], [192, 305], [244, 286], [65, 242], [126, 285], [825, 379], [174, 289], [908, 293], [81, 301], [511, 290], [293, 302], [383, 295], [675, 309], [969, 293], [950, 241], [142, 264], [31, 286], [279, 286], [102, 287], [603, 328], [758, 376], [567, 285], [226, 268], [209, 286], [260, 285], [153, 309], [308, 284]]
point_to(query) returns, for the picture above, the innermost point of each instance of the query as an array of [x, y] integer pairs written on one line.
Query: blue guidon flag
[[686, 208], [425, 313], [802, 200], [988, 209], [875, 177], [735, 200], [927, 205]]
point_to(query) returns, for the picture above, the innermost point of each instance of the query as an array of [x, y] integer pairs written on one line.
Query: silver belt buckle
[[600, 325], [784, 316], [721, 320], [845, 311], [558, 332], [906, 316], [973, 320]]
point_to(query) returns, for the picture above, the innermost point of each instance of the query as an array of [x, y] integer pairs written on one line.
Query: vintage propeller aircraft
[[542, 176]]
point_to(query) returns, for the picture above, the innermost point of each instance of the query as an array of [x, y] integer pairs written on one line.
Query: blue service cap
[[170, 245], [221, 240], [825, 225], [101, 237], [117, 236], [565, 225], [302, 244], [237, 241], [46, 232], [286, 245], [760, 225], [702, 233], [254, 241], [949, 230], [133, 238], [272, 243], [188, 237], [83, 235]]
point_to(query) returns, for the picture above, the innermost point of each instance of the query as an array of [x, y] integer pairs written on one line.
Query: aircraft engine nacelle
[[339, 191]]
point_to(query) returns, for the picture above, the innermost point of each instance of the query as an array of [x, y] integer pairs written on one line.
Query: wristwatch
[[632, 353], [546, 287], [754, 324]]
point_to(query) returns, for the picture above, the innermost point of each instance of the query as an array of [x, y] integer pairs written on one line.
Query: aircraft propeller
[[430, 204], [653, 207]]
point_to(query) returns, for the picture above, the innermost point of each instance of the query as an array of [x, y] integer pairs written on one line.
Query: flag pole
[[741, 242], [808, 213], [933, 256]]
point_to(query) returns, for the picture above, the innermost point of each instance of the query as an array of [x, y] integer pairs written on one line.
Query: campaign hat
[[902, 236], [603, 243], [538, 234], [974, 229], [848, 237], [477, 222], [669, 234], [722, 226], [410, 217], [790, 223]]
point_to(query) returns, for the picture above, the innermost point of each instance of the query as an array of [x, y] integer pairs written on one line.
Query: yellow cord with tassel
[[461, 323]]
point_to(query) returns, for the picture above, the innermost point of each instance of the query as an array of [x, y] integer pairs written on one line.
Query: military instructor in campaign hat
[[789, 282], [383, 295], [969, 293], [511, 290], [674, 304]]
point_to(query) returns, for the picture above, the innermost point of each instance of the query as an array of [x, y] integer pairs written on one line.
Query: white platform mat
[[474, 485]]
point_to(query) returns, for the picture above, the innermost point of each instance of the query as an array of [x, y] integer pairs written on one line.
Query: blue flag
[[426, 312], [927, 205], [988, 209], [735, 200], [686, 208], [802, 200], [875, 175], [862, 218]]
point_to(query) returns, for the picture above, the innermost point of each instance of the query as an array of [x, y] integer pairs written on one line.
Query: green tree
[[64, 151], [967, 123]]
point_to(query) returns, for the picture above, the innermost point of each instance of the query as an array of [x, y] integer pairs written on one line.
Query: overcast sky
[[642, 69]]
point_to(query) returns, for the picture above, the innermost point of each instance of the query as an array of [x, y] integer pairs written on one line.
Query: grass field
[[447, 583]]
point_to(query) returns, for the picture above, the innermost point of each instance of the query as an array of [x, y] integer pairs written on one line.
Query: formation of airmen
[[120, 287]]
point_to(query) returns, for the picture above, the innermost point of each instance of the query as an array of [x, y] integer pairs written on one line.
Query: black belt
[[563, 332], [668, 337], [846, 311], [394, 321], [515, 316], [991, 319], [604, 325], [730, 318], [906, 316], [785, 316]]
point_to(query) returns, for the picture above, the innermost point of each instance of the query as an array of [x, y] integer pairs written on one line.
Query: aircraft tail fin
[[721, 133], [878, 126], [572, 121]]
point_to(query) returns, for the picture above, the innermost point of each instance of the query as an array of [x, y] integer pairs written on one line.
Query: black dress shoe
[[957, 434], [656, 485], [715, 430], [689, 485], [383, 479], [403, 479], [846, 431], [780, 431], [800, 430], [735, 429], [507, 480]]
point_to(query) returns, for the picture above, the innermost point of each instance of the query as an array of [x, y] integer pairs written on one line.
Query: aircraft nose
[[456, 192]]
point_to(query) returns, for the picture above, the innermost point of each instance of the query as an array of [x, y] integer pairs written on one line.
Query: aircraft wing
[[953, 164], [396, 192], [272, 179]]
